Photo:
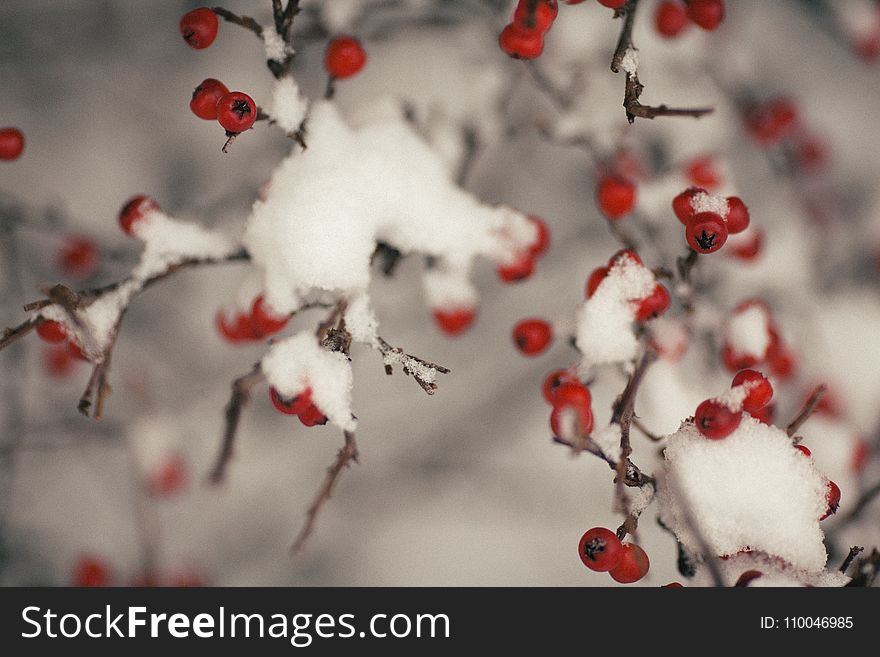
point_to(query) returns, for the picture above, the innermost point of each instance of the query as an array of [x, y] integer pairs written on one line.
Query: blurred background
[[465, 487]]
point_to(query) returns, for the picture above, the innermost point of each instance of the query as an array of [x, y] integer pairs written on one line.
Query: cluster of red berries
[[778, 356], [301, 405], [254, 325], [777, 122], [63, 352], [717, 419], [707, 231], [601, 550], [11, 144], [523, 37], [234, 110], [649, 307], [569, 398], [344, 57], [77, 258], [615, 195], [672, 16]]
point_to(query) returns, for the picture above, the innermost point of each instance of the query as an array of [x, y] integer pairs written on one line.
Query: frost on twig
[[424, 372]]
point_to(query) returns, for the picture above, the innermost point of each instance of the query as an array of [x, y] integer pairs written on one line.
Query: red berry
[[734, 361], [770, 122], [702, 172], [455, 320], [75, 351], [236, 112], [633, 565], [51, 331], [170, 477], [708, 14], [263, 321], [760, 392], [616, 196], [344, 57], [517, 270], [600, 549], [541, 19], [299, 404], [583, 419], [11, 144], [205, 97], [572, 393], [681, 204], [134, 210], [554, 380], [199, 27], [832, 496], [748, 577], [812, 153], [673, 585], [542, 240], [90, 571], [78, 258], [861, 455], [532, 336], [706, 233], [520, 43], [715, 420], [765, 414], [654, 304], [57, 361], [312, 416], [670, 18], [750, 248], [737, 215], [624, 254], [239, 330], [595, 280], [803, 450], [782, 362], [612, 4]]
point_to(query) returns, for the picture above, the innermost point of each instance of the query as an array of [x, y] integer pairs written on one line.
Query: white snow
[[630, 61], [299, 362], [288, 107], [605, 321], [773, 572], [608, 440], [751, 490], [360, 320], [275, 47], [705, 202], [747, 332], [449, 288]]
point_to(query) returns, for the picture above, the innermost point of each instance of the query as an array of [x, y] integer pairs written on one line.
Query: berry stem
[[806, 411], [241, 395], [246, 22], [853, 553]]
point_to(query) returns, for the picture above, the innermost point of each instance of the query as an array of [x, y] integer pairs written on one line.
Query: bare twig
[[865, 499], [10, 335], [806, 411], [637, 423], [633, 88], [241, 395], [344, 457], [853, 553], [424, 372], [244, 21]]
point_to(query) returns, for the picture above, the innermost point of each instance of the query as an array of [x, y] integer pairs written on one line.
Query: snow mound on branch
[[288, 107], [774, 572], [605, 321], [167, 243], [330, 204], [750, 491], [299, 362]]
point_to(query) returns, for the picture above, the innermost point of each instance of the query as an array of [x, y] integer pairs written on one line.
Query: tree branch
[[424, 372], [344, 457], [806, 411], [244, 21], [241, 395]]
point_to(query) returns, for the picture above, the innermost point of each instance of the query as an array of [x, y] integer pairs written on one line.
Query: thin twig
[[864, 501], [241, 395], [421, 370], [637, 423], [344, 457], [806, 411], [853, 553], [244, 21]]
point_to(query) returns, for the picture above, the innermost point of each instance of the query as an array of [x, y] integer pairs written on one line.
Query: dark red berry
[[134, 210], [803, 450], [715, 420], [295, 406], [600, 549], [748, 577], [199, 27], [540, 19], [11, 144], [554, 380], [455, 320], [580, 416], [236, 112], [57, 361], [702, 172], [312, 416], [706, 232], [708, 14], [770, 122], [519, 269], [633, 565], [520, 43], [612, 4], [682, 206], [265, 322], [542, 240], [654, 305], [51, 331], [78, 257], [344, 57], [572, 393], [595, 280], [239, 329], [737, 215], [624, 254], [205, 98], [760, 392], [90, 571], [765, 414], [670, 18], [615, 196], [532, 336], [832, 496]]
